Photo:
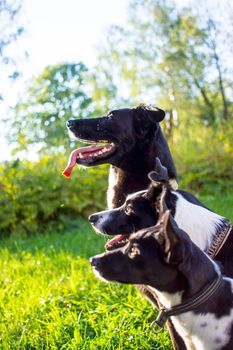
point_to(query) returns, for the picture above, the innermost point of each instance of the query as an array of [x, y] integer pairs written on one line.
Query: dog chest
[[204, 331]]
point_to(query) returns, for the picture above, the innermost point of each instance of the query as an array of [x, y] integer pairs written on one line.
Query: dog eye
[[134, 251], [128, 210]]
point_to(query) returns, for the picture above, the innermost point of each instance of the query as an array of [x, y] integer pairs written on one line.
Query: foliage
[[171, 56], [50, 298], [204, 157], [35, 195], [10, 31], [166, 53], [103, 91], [59, 93]]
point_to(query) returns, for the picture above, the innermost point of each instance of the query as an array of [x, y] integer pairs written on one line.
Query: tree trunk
[[206, 99]]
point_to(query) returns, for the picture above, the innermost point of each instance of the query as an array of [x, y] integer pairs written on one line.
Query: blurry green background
[[174, 56]]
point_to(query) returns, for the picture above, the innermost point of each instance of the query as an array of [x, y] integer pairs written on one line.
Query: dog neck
[[121, 183], [199, 273], [200, 223], [130, 174]]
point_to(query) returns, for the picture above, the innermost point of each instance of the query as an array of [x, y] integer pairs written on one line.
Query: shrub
[[204, 157], [35, 194]]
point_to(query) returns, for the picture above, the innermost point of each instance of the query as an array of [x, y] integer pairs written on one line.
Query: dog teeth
[[105, 149], [102, 151]]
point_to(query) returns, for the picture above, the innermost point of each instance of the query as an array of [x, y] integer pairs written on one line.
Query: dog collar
[[195, 301], [219, 240], [173, 183]]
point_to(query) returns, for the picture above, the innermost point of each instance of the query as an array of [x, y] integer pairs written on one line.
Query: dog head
[[139, 210], [115, 135], [152, 256]]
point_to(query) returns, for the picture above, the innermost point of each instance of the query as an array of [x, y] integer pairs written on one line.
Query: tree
[[10, 31], [56, 95], [168, 55]]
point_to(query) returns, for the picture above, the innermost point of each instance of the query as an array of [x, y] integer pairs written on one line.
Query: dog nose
[[95, 262], [70, 123], [94, 218]]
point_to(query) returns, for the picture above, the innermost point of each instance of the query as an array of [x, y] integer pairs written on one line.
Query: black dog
[[203, 226], [130, 140], [188, 283], [139, 211]]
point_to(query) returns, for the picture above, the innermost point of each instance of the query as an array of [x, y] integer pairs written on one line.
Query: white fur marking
[[105, 216], [136, 194], [188, 325], [174, 185], [112, 180], [71, 135], [213, 336], [98, 275], [199, 223]]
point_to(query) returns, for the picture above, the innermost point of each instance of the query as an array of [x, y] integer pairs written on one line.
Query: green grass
[[50, 298]]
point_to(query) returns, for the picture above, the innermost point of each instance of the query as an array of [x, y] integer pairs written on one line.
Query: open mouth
[[101, 150], [87, 155], [116, 242]]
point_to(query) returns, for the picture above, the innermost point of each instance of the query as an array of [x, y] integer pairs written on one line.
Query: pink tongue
[[71, 163], [74, 155], [114, 240]]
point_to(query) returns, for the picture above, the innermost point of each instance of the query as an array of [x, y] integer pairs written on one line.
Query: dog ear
[[154, 114], [161, 170], [156, 179], [170, 236], [160, 202], [160, 175], [147, 119], [156, 194]]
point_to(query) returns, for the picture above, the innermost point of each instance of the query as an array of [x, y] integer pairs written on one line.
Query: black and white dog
[[189, 285], [202, 225], [129, 140]]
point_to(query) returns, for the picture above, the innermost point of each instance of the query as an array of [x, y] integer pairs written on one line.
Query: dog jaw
[[99, 276], [92, 155], [116, 242], [86, 156]]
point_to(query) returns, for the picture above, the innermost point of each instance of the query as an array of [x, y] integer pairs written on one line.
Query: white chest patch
[[112, 180], [204, 331], [199, 331], [199, 223]]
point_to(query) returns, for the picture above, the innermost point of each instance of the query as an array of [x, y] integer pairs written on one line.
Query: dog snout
[[94, 218], [70, 123], [95, 262]]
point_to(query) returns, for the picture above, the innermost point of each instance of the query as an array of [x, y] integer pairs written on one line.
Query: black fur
[[143, 213], [138, 139], [139, 211], [165, 258]]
